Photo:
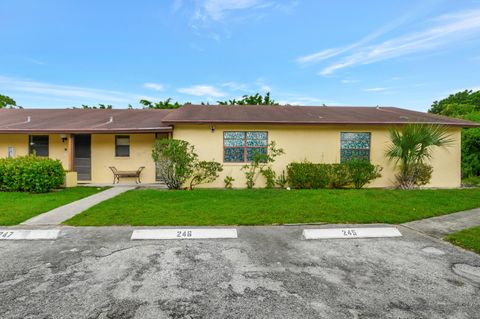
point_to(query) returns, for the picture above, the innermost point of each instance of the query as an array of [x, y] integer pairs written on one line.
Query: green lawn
[[17, 207], [468, 238], [263, 206]]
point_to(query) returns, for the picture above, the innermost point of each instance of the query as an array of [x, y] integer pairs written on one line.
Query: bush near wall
[[355, 173], [30, 174]]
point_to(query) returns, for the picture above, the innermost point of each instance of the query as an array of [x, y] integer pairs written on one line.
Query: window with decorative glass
[[240, 146], [354, 145]]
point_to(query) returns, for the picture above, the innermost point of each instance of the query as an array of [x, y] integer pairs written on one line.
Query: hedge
[[355, 173], [30, 174]]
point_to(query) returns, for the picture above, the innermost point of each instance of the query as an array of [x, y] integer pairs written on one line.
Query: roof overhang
[[200, 122], [88, 131]]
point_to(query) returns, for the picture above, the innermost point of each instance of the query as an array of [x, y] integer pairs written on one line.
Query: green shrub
[[175, 161], [339, 175], [270, 176], [282, 180], [30, 174], [355, 173], [205, 172], [470, 152], [228, 182], [308, 175], [362, 172], [471, 181], [261, 162], [415, 175]]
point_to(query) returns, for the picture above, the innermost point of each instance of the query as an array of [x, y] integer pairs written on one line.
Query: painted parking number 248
[[5, 234], [349, 232], [183, 234]]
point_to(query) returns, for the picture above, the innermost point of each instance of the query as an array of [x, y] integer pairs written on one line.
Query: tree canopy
[[256, 99], [167, 104], [466, 105], [100, 106], [7, 102], [460, 104]]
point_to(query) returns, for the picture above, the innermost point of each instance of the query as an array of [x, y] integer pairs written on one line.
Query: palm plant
[[410, 147]]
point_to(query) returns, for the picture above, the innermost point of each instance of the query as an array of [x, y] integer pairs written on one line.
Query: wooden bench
[[117, 174]]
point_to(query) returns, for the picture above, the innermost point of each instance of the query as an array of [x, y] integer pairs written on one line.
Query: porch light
[[63, 137], [212, 128]]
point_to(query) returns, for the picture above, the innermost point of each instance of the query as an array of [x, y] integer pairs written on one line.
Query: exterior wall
[[103, 156], [318, 144], [56, 148]]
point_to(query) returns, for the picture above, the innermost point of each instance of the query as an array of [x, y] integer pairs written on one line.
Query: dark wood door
[[82, 159]]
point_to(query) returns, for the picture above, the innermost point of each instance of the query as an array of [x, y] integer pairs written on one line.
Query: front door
[[82, 159]]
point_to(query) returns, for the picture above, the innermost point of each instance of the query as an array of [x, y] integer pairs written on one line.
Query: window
[[122, 146], [239, 147], [38, 145], [354, 145]]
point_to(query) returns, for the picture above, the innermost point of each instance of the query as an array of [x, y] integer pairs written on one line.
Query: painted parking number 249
[[5, 234], [349, 232], [183, 234]]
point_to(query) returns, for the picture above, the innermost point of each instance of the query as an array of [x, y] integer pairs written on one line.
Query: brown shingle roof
[[82, 121], [136, 121], [306, 115]]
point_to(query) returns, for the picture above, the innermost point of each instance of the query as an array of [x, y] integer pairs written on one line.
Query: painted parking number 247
[[184, 234], [5, 234], [349, 232]]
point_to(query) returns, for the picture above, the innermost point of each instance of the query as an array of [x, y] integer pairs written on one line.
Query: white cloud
[[447, 29], [262, 86], [218, 9], [378, 89], [153, 86], [202, 90], [235, 86], [348, 81], [332, 52], [83, 94], [322, 55]]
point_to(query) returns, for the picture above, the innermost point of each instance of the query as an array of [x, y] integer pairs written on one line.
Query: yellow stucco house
[[90, 141]]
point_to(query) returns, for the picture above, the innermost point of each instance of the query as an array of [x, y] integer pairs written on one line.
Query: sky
[[405, 53]]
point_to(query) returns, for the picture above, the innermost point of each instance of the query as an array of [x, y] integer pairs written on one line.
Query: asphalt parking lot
[[268, 272]]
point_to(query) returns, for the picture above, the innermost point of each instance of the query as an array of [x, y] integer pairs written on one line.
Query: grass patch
[[17, 207], [263, 206], [468, 238]]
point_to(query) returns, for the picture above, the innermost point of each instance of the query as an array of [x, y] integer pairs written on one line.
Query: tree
[[410, 147], [160, 104], [99, 107], [256, 99], [466, 105], [458, 104], [7, 102], [177, 163]]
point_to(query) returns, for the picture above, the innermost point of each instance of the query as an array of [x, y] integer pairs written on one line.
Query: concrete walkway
[[62, 213], [441, 226]]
